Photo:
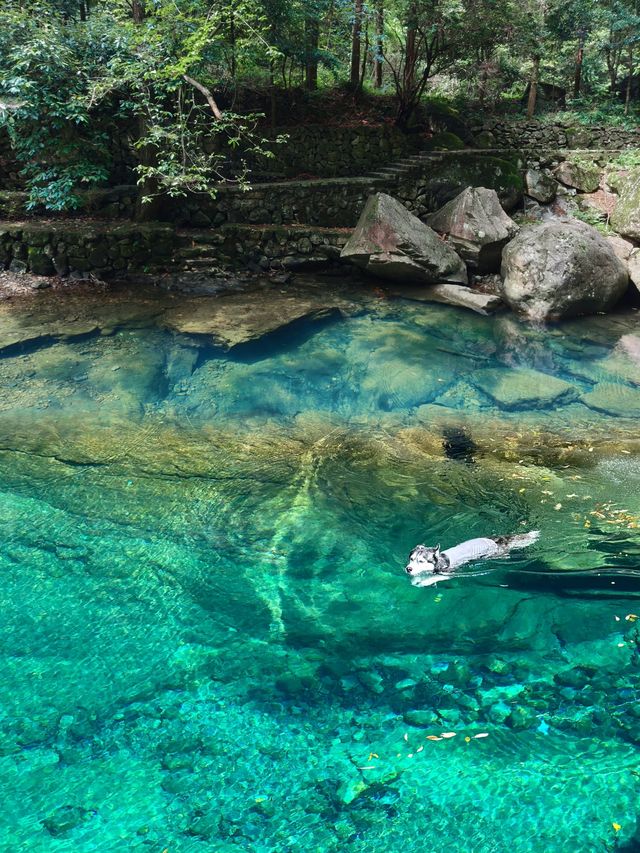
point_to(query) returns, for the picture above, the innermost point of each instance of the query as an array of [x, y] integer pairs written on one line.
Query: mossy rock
[[502, 174], [39, 263], [445, 117], [485, 139], [12, 204], [626, 217], [583, 175], [444, 141], [579, 137]]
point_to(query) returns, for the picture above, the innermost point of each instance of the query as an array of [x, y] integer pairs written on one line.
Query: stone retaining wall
[[283, 246], [335, 151], [81, 247], [496, 133], [332, 203]]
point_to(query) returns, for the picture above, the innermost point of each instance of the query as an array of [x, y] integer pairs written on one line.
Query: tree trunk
[[149, 187], [152, 209], [409, 59], [312, 32], [365, 56], [627, 97], [137, 11], [577, 76], [272, 96], [533, 86], [377, 73], [232, 42], [354, 77]]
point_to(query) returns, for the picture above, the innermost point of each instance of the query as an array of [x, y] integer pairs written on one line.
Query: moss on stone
[[444, 141]]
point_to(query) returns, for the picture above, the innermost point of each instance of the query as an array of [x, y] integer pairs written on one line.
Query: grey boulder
[[540, 186], [392, 243], [476, 226], [559, 269]]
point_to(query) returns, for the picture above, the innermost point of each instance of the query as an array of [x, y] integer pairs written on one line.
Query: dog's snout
[[408, 569]]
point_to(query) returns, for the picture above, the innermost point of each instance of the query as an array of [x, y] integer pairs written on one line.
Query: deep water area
[[209, 643]]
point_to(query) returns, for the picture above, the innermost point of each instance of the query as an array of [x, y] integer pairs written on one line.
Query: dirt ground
[[25, 284]]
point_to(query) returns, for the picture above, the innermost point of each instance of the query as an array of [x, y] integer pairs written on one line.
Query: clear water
[[208, 641]]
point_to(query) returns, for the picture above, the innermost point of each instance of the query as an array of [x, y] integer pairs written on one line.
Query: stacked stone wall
[[81, 248], [497, 133], [331, 152]]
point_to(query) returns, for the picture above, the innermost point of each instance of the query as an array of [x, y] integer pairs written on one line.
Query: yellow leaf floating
[[616, 826], [630, 617], [467, 739], [432, 737]]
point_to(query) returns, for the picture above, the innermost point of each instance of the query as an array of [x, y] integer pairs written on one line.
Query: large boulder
[[456, 170], [626, 216], [476, 226], [392, 243], [582, 175], [540, 186], [561, 269]]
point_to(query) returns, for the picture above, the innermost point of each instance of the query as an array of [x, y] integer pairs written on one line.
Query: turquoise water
[[208, 641]]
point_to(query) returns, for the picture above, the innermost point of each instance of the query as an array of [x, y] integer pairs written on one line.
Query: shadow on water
[[279, 342]]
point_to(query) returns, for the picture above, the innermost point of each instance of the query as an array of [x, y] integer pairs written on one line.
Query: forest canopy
[[188, 82]]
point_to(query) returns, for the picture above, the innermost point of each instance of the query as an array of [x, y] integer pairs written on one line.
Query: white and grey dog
[[431, 565]]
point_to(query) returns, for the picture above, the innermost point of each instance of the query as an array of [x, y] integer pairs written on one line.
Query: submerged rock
[[522, 388], [243, 317], [452, 294], [392, 243], [559, 269], [614, 399], [477, 227]]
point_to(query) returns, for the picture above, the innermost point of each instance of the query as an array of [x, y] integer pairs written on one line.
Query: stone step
[[201, 263]]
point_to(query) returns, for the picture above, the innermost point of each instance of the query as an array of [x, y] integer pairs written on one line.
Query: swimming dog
[[428, 566]]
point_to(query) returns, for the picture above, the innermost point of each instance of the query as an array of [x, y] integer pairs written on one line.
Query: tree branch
[[215, 109]]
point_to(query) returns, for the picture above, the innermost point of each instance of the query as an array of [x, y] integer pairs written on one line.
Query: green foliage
[[626, 159], [167, 75]]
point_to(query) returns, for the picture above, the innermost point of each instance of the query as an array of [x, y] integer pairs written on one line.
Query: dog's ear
[[437, 550]]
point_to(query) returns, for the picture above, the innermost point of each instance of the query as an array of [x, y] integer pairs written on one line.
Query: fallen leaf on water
[[369, 767], [616, 826], [405, 737], [482, 734], [432, 737], [419, 749], [467, 739], [558, 506], [448, 734], [373, 755], [630, 617]]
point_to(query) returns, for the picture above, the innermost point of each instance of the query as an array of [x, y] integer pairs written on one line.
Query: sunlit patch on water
[[208, 640]]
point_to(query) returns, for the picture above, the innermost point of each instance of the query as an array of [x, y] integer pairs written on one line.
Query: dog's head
[[423, 559]]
